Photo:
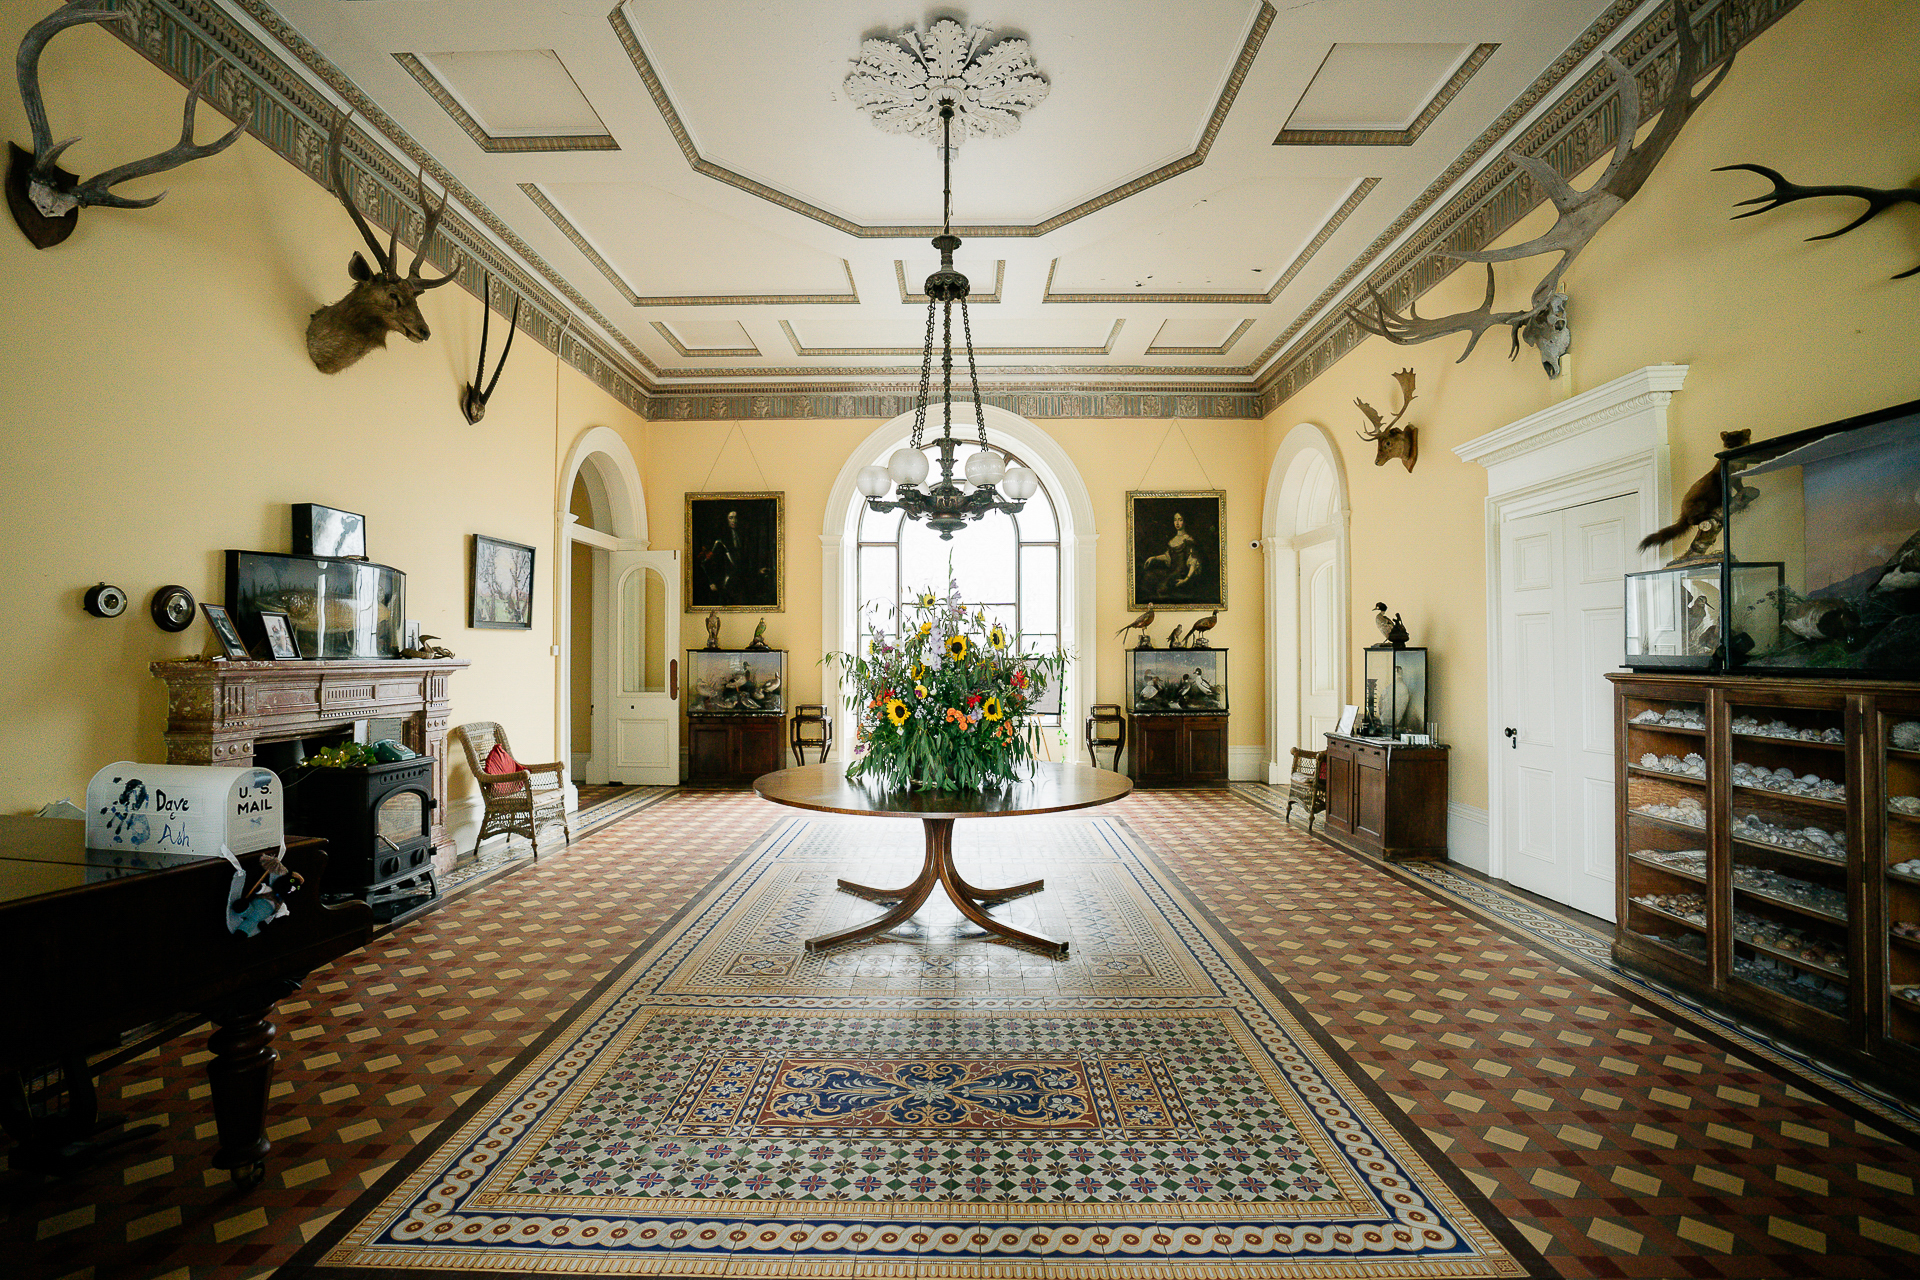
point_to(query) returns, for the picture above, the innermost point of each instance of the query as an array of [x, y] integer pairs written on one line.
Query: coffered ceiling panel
[[1085, 333], [515, 92], [1375, 86]]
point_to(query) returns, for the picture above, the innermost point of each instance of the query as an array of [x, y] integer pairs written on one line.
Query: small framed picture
[[279, 630], [500, 591], [1348, 714], [231, 645], [328, 531]]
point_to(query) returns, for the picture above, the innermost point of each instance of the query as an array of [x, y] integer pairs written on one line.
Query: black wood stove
[[377, 821]]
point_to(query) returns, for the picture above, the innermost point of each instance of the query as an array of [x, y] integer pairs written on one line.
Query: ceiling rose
[[901, 83]]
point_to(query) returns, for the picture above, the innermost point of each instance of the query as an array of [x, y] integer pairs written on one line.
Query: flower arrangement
[[950, 705]]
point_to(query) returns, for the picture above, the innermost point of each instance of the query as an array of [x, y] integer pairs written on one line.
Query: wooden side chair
[[1106, 727], [520, 798], [1308, 784], [811, 727]]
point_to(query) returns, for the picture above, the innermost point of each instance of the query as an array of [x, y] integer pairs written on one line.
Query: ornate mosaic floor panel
[[728, 1101]]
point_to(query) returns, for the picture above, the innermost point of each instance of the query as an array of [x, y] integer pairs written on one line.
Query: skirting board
[[1469, 840], [1246, 764]]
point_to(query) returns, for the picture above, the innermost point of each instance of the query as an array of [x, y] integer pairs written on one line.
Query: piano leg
[[241, 1074]]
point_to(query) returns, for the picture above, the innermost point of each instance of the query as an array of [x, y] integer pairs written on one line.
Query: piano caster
[[248, 1176]]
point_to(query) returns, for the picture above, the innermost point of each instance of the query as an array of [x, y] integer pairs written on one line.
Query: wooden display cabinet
[[1179, 751], [1387, 798], [732, 750]]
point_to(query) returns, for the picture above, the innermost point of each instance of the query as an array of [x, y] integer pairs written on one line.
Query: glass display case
[[746, 682], [1176, 681], [1673, 614], [1395, 692], [1835, 507]]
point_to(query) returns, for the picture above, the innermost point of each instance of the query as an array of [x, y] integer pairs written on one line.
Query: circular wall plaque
[[173, 608], [104, 601]]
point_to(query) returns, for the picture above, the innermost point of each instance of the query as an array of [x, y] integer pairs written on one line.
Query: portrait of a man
[[1176, 550], [735, 552]]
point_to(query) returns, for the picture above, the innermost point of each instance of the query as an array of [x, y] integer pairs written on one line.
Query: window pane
[[877, 589], [1049, 703], [1040, 588], [979, 558], [1036, 520], [878, 526]]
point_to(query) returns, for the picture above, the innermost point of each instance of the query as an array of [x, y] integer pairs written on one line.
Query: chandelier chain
[[973, 374], [926, 378]]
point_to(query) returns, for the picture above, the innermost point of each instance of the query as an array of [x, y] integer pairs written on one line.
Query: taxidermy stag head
[[1391, 440], [1581, 215], [473, 401], [380, 302], [45, 199], [1879, 200]]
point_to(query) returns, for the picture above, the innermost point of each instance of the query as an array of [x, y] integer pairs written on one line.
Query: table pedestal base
[[939, 869]]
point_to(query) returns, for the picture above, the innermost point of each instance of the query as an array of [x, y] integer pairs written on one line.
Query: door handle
[[673, 679], [1513, 738]]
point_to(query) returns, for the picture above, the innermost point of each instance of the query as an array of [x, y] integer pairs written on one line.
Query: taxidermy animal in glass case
[[44, 198], [1701, 505], [380, 302]]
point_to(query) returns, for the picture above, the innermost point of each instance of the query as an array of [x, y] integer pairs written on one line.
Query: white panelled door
[[1319, 643], [644, 744], [1561, 614]]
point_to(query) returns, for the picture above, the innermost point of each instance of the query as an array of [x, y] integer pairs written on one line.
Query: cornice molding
[[1645, 388], [869, 401]]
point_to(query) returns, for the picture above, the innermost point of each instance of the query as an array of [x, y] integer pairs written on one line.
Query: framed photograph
[[231, 645], [500, 585], [1349, 714], [339, 608], [279, 632], [328, 531], [736, 553], [1177, 549]]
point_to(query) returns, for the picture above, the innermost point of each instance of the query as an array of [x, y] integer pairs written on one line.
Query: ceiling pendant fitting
[[947, 506]]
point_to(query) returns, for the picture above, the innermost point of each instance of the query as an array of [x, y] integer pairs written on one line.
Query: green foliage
[[950, 706], [348, 755]]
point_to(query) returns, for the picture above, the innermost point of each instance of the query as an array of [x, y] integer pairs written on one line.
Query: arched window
[[1007, 565]]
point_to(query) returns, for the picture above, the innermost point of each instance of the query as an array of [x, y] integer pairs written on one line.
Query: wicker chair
[[520, 802], [1308, 785]]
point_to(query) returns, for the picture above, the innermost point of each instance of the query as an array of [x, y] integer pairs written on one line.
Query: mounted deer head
[[473, 401], [1879, 200], [380, 302], [1582, 213], [1391, 440], [44, 198]]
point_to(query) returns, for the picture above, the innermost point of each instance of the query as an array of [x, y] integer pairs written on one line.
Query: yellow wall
[[157, 406], [803, 459], [1779, 334]]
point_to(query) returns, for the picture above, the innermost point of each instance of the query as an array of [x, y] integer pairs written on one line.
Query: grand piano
[[88, 959]]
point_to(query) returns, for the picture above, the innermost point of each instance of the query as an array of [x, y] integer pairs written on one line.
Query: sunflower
[[991, 708], [920, 691], [997, 637], [926, 600], [918, 671], [957, 648], [897, 712]]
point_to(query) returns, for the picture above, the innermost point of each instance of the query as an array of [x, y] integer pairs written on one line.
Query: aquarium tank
[[1838, 508]]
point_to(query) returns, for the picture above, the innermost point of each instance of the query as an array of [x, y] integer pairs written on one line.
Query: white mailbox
[[157, 814]]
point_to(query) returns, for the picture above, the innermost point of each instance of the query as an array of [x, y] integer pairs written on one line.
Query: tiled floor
[[1617, 1133]]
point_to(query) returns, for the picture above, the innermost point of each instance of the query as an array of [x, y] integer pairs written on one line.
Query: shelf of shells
[[1901, 788], [1667, 738], [1666, 873]]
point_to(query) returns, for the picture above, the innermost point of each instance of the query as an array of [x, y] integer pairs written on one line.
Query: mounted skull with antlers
[[1581, 215], [44, 198], [1393, 440], [380, 302]]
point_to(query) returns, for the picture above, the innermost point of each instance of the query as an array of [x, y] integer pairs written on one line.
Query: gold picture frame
[[736, 553], [1177, 549]]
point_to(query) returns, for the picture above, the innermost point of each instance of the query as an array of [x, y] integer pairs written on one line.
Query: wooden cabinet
[[1387, 798], [1179, 751], [1768, 852], [733, 750]]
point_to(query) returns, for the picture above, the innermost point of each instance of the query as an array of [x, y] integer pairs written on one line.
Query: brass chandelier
[[947, 506]]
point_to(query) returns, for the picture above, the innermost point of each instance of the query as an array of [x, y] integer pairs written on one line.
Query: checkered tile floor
[[1619, 1134]]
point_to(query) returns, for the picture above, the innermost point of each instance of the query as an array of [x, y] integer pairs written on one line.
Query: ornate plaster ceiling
[[691, 183]]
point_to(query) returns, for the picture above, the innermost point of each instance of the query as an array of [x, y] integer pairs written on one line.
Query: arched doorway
[[1304, 535], [1066, 540], [619, 626]]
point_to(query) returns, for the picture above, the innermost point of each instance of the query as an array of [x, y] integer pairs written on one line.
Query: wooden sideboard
[[1179, 750], [1386, 798], [733, 750], [218, 711]]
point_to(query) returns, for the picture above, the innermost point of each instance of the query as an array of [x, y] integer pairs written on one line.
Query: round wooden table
[[1049, 788]]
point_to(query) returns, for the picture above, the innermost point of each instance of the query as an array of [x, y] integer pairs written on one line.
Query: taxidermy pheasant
[[1391, 629], [1199, 629], [1139, 624]]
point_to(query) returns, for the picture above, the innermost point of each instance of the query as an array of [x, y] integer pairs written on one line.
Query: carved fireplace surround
[[217, 711]]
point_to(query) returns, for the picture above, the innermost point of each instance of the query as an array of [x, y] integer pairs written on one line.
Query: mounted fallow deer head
[[473, 401], [380, 302], [1390, 439], [44, 198], [1879, 200], [1581, 214]]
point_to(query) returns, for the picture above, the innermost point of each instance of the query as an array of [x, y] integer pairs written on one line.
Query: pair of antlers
[[384, 258]]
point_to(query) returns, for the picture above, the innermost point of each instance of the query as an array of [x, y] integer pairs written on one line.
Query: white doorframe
[[600, 456], [1604, 443], [1281, 537], [1073, 504]]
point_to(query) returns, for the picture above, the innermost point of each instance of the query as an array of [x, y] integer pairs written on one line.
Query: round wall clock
[[104, 601], [173, 608]]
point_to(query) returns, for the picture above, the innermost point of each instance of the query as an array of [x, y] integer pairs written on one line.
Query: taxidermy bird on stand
[[1197, 633], [1140, 624], [1391, 628]]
